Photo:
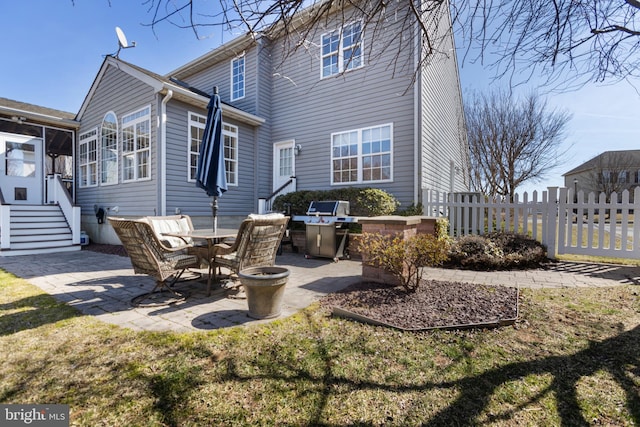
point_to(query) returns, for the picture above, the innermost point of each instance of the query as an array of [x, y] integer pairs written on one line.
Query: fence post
[[550, 237]]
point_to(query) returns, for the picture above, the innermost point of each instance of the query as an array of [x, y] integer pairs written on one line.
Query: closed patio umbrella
[[210, 173]]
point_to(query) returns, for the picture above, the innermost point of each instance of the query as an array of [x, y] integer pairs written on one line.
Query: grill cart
[[326, 236]]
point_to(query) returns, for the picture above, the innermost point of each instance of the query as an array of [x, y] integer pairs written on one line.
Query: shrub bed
[[496, 251]]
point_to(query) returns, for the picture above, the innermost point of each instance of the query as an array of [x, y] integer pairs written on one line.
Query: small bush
[[362, 201], [404, 258], [496, 251], [411, 210]]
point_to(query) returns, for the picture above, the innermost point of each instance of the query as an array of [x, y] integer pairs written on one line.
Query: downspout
[[163, 152], [417, 121]]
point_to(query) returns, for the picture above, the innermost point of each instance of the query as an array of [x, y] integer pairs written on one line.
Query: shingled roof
[[10, 107], [609, 159]]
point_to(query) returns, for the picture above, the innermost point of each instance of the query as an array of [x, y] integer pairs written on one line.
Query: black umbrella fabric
[[210, 174]]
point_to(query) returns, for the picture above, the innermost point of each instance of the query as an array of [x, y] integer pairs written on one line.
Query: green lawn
[[573, 358]]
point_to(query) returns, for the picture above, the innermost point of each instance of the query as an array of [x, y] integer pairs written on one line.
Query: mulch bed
[[436, 304]]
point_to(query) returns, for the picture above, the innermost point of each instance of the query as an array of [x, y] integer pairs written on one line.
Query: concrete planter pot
[[264, 287]]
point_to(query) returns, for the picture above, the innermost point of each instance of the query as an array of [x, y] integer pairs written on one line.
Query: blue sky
[[52, 51]]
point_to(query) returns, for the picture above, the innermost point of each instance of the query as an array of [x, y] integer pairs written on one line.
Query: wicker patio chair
[[149, 256], [256, 245]]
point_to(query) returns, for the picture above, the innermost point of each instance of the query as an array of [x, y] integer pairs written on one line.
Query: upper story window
[[342, 50], [230, 147], [136, 145], [237, 78], [88, 158], [623, 177], [109, 149], [362, 155]]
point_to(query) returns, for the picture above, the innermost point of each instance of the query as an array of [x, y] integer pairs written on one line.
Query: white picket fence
[[565, 222]]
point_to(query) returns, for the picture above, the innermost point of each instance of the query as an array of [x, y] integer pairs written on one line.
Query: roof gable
[[164, 86]]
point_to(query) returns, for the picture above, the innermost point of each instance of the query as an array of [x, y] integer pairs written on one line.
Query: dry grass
[[573, 358]]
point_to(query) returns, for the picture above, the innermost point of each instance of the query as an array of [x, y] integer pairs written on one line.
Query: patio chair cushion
[[273, 215], [171, 224]]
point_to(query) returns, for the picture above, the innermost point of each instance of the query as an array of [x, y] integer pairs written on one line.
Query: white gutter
[[163, 152], [200, 101]]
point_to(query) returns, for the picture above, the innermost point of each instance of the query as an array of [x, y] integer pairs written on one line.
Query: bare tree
[[565, 40], [512, 142]]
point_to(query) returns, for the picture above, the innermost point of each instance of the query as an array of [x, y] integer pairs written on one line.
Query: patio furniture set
[[165, 247]]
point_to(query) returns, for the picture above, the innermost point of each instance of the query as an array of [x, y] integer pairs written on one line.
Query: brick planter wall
[[405, 226]]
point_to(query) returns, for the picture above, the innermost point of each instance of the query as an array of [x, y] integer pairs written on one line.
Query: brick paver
[[102, 286]]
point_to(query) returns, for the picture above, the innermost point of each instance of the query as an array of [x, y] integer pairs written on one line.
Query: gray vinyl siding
[[220, 75], [309, 109], [257, 100], [442, 128], [265, 108], [122, 94], [184, 194]]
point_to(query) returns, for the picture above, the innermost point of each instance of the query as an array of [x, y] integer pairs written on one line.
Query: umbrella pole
[[214, 209]]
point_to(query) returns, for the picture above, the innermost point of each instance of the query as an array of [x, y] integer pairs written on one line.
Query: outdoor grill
[[326, 235]]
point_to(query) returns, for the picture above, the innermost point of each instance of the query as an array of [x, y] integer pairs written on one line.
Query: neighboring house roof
[[164, 85], [609, 159], [50, 116]]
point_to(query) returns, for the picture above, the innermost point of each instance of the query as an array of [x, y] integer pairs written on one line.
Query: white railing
[[565, 222], [265, 205], [57, 193], [5, 224]]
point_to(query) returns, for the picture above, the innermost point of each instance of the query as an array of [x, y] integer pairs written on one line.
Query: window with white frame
[[362, 155], [341, 50], [196, 132], [88, 158], [237, 78], [109, 149], [136, 145], [230, 142], [230, 147]]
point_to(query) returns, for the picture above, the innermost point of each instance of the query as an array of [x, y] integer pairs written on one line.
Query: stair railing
[[57, 193], [265, 205], [5, 223]]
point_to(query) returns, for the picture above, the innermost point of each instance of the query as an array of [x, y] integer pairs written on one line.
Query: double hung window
[[88, 158], [237, 78], [136, 148], [362, 155], [341, 50], [230, 147]]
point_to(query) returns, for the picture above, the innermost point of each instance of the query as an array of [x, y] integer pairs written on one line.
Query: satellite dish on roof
[[122, 41]]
